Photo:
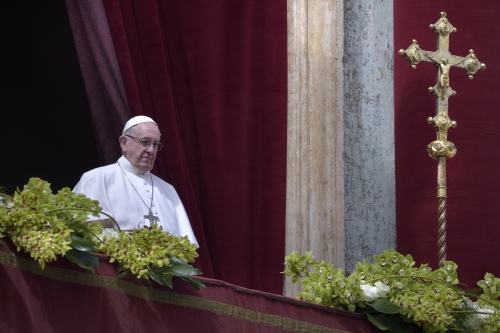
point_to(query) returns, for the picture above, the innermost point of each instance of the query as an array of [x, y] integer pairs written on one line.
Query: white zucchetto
[[136, 121]]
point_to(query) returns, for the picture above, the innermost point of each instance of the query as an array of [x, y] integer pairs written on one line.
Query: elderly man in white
[[129, 192]]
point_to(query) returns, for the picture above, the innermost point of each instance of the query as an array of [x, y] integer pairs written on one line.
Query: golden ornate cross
[[441, 148]]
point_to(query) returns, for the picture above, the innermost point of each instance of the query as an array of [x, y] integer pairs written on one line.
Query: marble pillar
[[340, 174], [369, 170]]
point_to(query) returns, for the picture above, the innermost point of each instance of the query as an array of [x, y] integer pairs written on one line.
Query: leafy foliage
[[396, 295], [48, 225], [38, 221], [150, 252]]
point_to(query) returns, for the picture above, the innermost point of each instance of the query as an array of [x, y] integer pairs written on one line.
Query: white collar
[[127, 166]]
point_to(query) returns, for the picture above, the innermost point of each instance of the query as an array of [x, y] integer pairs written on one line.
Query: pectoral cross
[[441, 148], [152, 218]]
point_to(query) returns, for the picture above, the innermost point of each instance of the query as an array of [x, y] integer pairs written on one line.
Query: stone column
[[370, 211], [315, 172], [340, 175]]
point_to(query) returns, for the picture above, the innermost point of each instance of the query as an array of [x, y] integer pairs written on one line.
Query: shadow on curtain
[[101, 75]]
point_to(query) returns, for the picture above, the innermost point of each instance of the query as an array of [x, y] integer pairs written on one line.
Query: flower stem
[[472, 312], [418, 277], [88, 210]]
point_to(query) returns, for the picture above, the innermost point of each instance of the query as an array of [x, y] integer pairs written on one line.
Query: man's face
[[141, 158]]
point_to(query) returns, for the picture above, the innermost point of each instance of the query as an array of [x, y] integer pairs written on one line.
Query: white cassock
[[127, 194]]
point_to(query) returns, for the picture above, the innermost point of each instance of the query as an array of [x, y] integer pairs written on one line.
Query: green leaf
[[163, 275], [166, 279], [391, 323], [83, 259], [367, 310], [123, 274], [7, 248], [377, 321], [163, 279], [193, 281], [82, 244], [385, 306], [178, 267]]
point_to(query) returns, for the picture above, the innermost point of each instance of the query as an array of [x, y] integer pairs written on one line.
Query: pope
[[128, 191]]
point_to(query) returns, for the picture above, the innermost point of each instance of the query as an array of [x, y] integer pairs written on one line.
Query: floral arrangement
[[397, 296], [48, 225], [150, 252]]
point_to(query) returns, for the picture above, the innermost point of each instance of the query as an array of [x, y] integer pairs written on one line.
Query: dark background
[[46, 129]]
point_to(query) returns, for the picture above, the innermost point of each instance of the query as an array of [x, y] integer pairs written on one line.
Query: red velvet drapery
[[472, 175], [213, 74]]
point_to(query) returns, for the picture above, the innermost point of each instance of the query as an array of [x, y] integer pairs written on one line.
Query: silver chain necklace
[[152, 218]]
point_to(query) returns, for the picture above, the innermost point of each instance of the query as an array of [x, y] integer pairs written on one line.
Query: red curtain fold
[[214, 76], [101, 75], [472, 175]]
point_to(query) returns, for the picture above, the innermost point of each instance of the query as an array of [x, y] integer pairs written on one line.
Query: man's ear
[[123, 143]]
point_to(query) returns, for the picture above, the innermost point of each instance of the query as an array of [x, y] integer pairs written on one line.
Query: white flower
[[5, 203], [474, 321], [109, 233], [371, 293], [484, 315]]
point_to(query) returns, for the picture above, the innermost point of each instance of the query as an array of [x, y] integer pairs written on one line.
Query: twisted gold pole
[[441, 210]]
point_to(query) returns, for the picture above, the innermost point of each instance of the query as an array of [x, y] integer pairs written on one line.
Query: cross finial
[[441, 148]]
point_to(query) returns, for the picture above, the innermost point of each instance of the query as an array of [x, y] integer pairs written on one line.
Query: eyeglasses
[[145, 143]]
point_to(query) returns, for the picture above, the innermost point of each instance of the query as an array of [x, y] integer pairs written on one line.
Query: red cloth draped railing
[[65, 298]]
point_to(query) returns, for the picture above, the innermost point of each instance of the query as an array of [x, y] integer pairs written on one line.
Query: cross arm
[[414, 54]]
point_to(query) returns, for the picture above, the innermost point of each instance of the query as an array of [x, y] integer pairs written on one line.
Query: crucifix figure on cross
[[444, 76], [441, 148]]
